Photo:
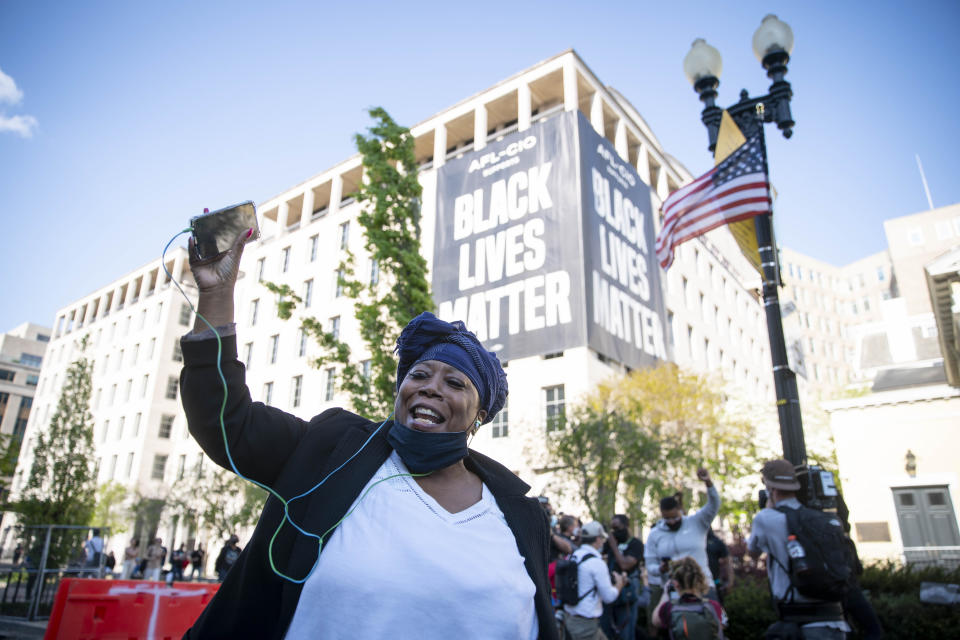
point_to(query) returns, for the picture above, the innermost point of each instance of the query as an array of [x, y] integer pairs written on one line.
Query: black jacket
[[291, 456]]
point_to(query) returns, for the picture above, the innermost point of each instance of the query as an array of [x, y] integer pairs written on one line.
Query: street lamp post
[[772, 44]]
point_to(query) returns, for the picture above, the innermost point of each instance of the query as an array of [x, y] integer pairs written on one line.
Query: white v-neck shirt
[[401, 566]]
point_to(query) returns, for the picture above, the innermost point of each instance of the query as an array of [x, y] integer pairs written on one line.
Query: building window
[[499, 424], [106, 431], [30, 360], [374, 272], [274, 346], [126, 390], [159, 466], [166, 426], [313, 247], [113, 466], [129, 464], [343, 235], [915, 236], [32, 380], [177, 351], [295, 388], [302, 343], [172, 383], [554, 407], [286, 259], [365, 368], [144, 385], [881, 275], [181, 466], [307, 292], [23, 414], [267, 392], [199, 466], [254, 307], [113, 395], [248, 352], [330, 385], [153, 346], [185, 315], [123, 420], [136, 425], [261, 265], [7, 375], [338, 283], [335, 327]]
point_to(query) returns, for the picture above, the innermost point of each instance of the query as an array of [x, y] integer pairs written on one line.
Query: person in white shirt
[[583, 619]]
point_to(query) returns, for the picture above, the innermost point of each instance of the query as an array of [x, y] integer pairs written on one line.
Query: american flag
[[735, 189]]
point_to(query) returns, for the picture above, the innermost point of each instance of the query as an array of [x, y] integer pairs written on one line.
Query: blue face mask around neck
[[425, 452]]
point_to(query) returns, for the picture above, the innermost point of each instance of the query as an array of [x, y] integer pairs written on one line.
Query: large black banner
[[507, 250], [544, 241], [626, 313]]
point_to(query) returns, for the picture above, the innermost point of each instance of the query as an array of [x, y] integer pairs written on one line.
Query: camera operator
[[677, 535], [594, 585], [816, 620]]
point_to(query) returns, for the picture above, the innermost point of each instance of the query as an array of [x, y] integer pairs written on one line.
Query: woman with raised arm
[[421, 537]]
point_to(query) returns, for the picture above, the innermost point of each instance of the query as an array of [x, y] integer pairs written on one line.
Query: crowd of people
[[157, 563], [609, 585], [153, 563]]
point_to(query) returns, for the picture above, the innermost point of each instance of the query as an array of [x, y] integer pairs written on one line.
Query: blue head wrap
[[429, 338]]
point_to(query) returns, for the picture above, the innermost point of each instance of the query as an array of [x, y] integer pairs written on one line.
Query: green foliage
[[221, 499], [61, 486], [894, 592], [749, 608], [110, 511], [644, 435], [10, 447], [390, 218]]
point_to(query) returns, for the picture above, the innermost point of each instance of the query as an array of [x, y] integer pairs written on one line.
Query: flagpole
[[784, 379]]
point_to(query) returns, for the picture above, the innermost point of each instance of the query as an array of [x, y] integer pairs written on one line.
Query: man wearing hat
[[769, 535], [593, 578]]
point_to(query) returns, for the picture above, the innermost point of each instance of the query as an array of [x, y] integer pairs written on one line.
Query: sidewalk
[[17, 629]]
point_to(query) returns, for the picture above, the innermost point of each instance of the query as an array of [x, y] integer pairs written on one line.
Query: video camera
[[818, 489]]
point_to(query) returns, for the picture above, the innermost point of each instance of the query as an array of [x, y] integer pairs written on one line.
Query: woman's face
[[435, 396]]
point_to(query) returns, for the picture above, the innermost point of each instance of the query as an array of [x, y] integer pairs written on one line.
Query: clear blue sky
[[147, 112]]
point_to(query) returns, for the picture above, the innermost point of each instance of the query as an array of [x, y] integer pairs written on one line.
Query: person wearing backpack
[[584, 595], [808, 583], [692, 616]]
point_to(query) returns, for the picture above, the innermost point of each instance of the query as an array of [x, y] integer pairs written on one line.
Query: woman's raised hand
[[218, 273]]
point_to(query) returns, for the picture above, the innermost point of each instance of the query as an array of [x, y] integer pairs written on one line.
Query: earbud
[[477, 424]]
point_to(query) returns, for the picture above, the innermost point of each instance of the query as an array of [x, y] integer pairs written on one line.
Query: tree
[[397, 290], [220, 499], [643, 435], [110, 511], [61, 486]]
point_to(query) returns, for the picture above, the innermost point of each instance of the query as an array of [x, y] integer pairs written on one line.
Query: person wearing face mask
[[624, 553], [421, 536], [677, 535]]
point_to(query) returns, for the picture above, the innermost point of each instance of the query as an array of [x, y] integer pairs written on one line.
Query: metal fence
[[47, 554]]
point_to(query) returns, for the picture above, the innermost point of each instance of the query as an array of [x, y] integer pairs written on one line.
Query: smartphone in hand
[[216, 231]]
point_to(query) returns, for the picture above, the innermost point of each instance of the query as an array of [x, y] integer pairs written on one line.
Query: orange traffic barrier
[[85, 609]]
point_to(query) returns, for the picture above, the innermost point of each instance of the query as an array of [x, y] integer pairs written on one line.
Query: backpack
[[694, 621], [829, 570], [567, 578]]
